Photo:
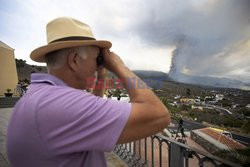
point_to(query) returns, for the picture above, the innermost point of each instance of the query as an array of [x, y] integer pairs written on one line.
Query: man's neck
[[66, 77]]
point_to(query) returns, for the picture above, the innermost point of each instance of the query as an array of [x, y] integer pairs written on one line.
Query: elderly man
[[56, 123]]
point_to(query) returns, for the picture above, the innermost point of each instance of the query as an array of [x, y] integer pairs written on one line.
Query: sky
[[195, 37]]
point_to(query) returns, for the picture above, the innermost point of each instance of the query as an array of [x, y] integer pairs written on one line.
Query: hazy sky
[[212, 37]]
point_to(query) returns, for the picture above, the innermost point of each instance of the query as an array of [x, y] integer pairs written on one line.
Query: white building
[[219, 97]]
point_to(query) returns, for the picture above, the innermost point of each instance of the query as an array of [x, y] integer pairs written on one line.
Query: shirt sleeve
[[79, 121]]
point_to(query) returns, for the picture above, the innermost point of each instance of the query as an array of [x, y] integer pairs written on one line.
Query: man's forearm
[[100, 82], [136, 94], [99, 88]]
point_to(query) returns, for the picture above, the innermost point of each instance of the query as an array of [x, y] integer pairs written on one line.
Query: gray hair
[[57, 59]]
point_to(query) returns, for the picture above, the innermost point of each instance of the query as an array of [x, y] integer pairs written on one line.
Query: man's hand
[[101, 75], [111, 60]]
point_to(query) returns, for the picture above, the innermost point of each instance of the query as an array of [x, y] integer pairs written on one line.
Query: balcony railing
[[160, 151]]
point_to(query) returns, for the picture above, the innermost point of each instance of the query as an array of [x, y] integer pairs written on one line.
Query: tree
[[20, 63], [225, 102], [240, 156], [246, 127], [245, 111], [39, 68], [188, 92], [26, 81]]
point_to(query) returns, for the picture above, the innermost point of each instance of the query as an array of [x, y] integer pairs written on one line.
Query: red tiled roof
[[222, 138]]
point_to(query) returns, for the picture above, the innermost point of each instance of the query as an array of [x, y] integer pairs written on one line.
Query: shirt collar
[[46, 78]]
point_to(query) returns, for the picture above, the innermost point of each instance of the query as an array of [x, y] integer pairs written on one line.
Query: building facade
[[8, 71]]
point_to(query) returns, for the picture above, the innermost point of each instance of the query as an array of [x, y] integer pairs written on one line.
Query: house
[[236, 105], [197, 100], [214, 140], [8, 71], [209, 98], [177, 97], [219, 97], [197, 107], [187, 100]]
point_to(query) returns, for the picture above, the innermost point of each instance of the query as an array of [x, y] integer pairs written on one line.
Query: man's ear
[[72, 61]]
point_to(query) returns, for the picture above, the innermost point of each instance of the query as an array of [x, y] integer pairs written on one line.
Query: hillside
[[213, 81], [24, 70], [195, 80]]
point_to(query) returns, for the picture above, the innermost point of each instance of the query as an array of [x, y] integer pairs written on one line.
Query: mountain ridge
[[24, 70], [196, 80]]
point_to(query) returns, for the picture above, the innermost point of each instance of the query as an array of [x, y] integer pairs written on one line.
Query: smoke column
[[203, 33]]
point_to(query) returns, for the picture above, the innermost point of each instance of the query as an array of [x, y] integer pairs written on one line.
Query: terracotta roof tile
[[222, 138]]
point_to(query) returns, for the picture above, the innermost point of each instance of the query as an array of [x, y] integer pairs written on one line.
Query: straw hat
[[66, 32]]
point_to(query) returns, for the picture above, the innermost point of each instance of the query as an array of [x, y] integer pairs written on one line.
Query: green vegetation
[[188, 92], [26, 81], [174, 111], [24, 70], [20, 63], [245, 111], [8, 90], [246, 127], [210, 116], [8, 94], [241, 156], [225, 103]]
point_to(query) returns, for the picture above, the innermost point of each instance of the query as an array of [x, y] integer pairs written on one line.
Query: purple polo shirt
[[56, 125]]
